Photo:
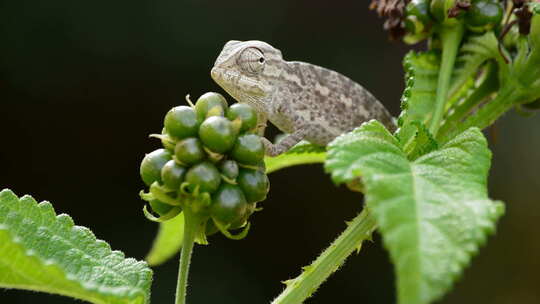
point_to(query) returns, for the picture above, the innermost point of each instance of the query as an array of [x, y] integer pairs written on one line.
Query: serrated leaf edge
[[65, 222]]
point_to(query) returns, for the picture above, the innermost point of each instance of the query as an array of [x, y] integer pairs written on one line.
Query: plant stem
[[313, 276], [191, 226], [451, 38], [487, 87], [485, 116]]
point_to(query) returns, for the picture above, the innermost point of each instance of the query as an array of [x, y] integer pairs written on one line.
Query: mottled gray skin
[[307, 101]]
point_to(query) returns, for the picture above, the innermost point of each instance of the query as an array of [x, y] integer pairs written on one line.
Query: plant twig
[[486, 88], [192, 224], [303, 286], [487, 115]]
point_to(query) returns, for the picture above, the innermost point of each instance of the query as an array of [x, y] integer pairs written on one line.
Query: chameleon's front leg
[[286, 143], [261, 123]]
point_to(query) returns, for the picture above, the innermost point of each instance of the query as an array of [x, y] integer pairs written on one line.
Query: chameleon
[[306, 101]]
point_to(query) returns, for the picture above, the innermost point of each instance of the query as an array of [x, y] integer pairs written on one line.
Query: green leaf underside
[[44, 252], [418, 100], [168, 241], [301, 154], [475, 52], [433, 212]]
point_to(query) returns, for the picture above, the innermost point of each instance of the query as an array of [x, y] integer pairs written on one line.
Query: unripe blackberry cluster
[[211, 162]]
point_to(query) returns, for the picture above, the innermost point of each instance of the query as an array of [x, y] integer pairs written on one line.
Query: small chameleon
[[307, 101]]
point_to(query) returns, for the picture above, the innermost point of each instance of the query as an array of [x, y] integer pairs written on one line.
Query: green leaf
[[418, 100], [44, 252], [168, 241], [535, 7], [423, 142], [519, 83], [301, 154], [472, 55], [433, 212], [524, 75]]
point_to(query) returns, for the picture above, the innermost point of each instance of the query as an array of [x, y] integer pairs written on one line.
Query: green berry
[[229, 168], [217, 134], [167, 141], [228, 204], [210, 103], [246, 113], [172, 175], [181, 122], [248, 149], [159, 207], [484, 15], [205, 175], [189, 151], [419, 9], [210, 227], [254, 183], [240, 222], [417, 16], [151, 165]]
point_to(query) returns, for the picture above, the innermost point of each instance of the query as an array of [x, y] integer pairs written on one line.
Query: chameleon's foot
[[286, 143], [260, 128], [270, 148]]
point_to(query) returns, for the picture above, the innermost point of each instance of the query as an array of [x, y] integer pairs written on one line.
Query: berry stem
[[192, 224], [303, 286], [451, 38]]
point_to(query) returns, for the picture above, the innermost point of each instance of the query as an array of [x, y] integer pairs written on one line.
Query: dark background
[[82, 84]]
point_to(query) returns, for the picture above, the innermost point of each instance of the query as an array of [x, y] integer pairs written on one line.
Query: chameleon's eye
[[251, 60]]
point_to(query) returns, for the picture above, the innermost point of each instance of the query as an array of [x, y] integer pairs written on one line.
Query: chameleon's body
[[307, 101]]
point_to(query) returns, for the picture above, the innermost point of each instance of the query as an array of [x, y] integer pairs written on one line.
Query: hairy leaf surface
[[433, 212], [45, 252], [474, 52], [418, 100]]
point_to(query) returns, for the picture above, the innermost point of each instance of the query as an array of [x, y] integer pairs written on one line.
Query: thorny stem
[[303, 286], [191, 225], [451, 38]]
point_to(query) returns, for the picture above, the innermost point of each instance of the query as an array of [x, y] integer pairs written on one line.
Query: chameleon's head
[[246, 71]]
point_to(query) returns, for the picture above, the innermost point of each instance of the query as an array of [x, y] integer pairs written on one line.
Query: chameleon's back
[[307, 101], [326, 96]]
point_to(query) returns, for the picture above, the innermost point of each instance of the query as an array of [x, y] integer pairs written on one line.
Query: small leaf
[[433, 212], [418, 100], [525, 75], [473, 54], [301, 154], [423, 142], [44, 252], [168, 241]]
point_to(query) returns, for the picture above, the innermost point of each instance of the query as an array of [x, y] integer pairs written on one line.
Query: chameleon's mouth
[[235, 83], [242, 88], [214, 73]]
